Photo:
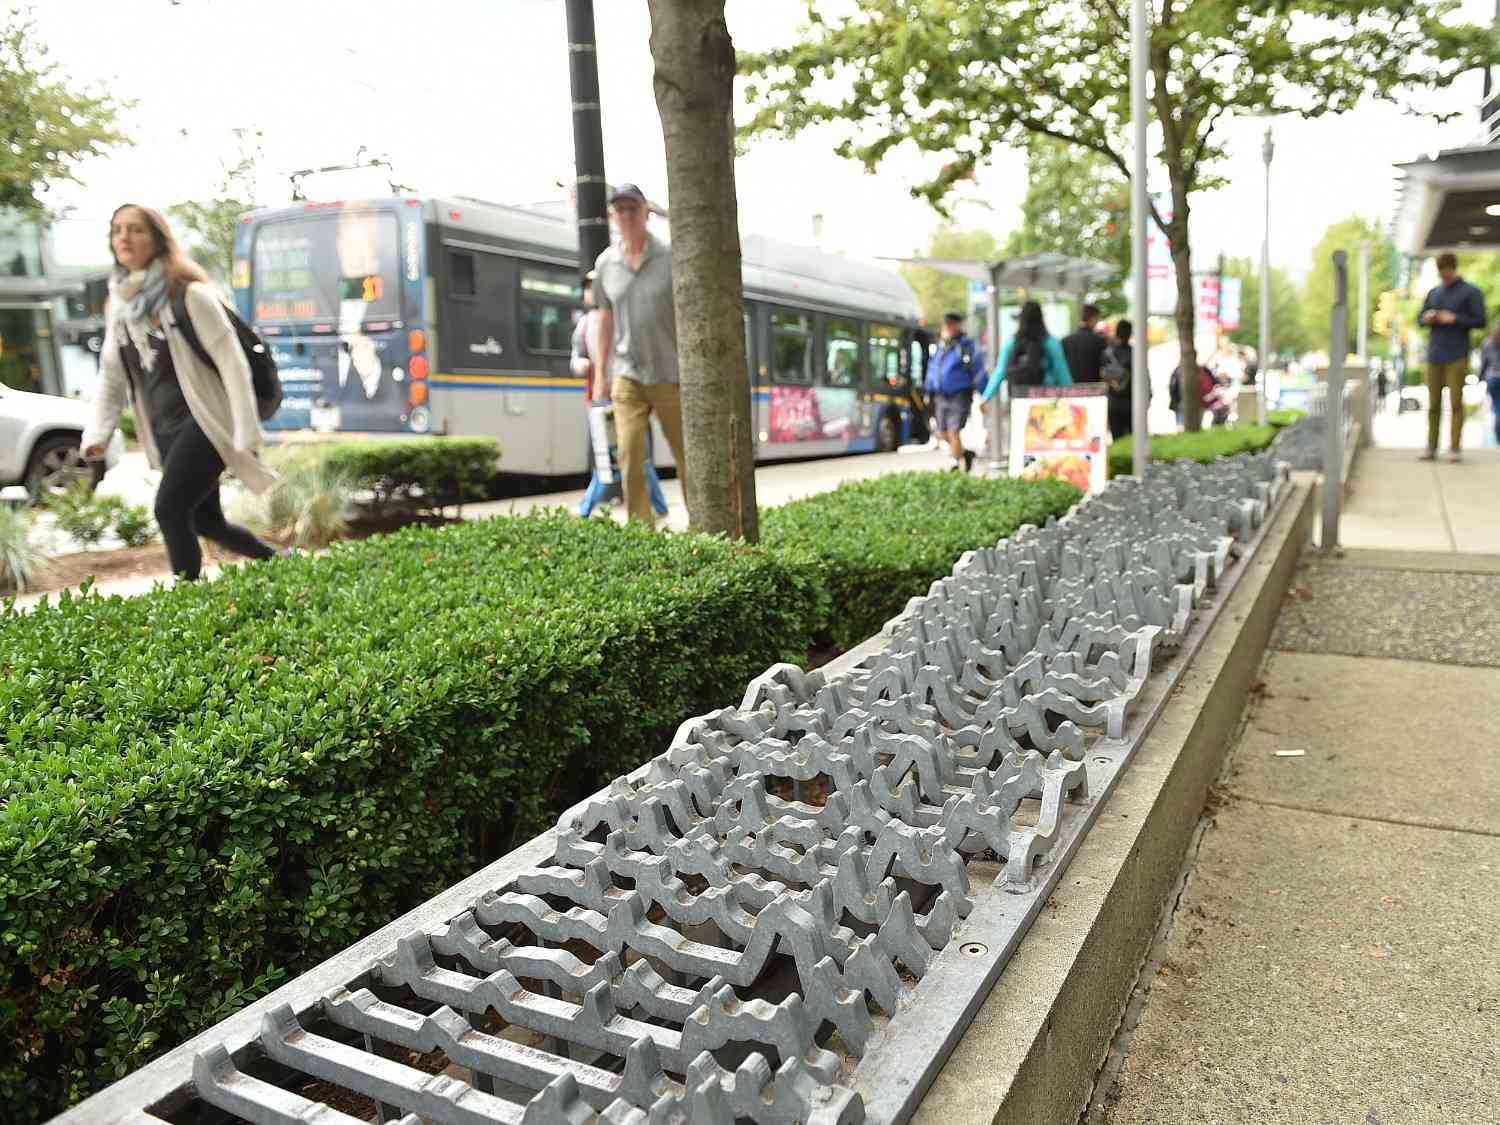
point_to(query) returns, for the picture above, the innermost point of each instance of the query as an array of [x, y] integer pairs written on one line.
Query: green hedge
[[873, 544], [419, 473], [208, 789], [1206, 445], [1284, 417]]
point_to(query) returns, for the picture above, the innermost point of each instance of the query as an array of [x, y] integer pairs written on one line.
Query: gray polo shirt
[[641, 300]]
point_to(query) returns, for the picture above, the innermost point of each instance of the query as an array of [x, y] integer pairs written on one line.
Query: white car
[[40, 443]]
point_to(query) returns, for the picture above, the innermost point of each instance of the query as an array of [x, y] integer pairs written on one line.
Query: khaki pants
[[1450, 375], [634, 404]]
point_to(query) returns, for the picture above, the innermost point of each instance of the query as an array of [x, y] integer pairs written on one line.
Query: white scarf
[[137, 296]]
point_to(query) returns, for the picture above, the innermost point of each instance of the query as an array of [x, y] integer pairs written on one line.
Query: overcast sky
[[471, 97]]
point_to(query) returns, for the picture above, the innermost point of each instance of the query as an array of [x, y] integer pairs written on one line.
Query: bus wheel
[[888, 433]]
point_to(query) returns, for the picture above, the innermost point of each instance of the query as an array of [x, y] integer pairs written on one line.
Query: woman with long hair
[[1032, 357], [193, 421]]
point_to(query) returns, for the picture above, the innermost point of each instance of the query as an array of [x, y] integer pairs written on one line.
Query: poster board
[[1061, 432]]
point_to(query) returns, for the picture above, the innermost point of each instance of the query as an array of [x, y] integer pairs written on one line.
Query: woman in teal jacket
[[1030, 325]]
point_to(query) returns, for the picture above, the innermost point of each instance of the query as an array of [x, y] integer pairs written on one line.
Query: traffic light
[[1386, 312]]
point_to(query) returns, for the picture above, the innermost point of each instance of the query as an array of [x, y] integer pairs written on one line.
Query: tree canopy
[[1077, 203], [1288, 330], [961, 78], [938, 292], [209, 224], [48, 124], [1317, 289]]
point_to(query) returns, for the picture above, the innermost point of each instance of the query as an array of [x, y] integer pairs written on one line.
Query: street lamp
[[1140, 374], [1267, 150]]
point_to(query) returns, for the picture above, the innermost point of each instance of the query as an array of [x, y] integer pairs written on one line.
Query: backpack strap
[[185, 325]]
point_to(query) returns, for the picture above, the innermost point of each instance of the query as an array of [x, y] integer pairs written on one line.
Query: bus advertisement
[[420, 316]]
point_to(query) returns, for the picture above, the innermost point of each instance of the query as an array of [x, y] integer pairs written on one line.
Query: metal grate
[[794, 912]]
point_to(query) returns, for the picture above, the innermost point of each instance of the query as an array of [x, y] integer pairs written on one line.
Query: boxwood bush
[[1204, 446], [875, 543], [416, 473], [208, 789]]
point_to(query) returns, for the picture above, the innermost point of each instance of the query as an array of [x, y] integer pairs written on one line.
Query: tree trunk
[[1187, 296], [695, 67]]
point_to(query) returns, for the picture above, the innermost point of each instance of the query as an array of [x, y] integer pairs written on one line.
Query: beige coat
[[224, 408]]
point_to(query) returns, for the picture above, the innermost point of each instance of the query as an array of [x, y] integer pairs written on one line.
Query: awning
[[1051, 273], [1446, 200]]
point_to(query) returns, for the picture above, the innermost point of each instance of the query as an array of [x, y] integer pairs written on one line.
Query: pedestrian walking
[[601, 417], [1489, 373], [1382, 386], [1119, 362], [1452, 310], [951, 378], [1030, 358], [193, 419], [636, 345], [1084, 347]]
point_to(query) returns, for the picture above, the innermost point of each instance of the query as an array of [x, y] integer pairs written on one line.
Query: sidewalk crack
[[1401, 821]]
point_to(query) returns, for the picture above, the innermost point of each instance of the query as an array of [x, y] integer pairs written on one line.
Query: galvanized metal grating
[[793, 912]]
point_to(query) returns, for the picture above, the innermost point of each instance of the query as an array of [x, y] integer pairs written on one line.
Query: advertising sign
[[1059, 433], [1208, 297], [1229, 304]]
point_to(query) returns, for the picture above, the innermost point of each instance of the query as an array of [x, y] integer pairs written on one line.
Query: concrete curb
[[1033, 1050]]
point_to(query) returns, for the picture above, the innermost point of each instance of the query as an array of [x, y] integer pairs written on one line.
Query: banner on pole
[[1229, 304]]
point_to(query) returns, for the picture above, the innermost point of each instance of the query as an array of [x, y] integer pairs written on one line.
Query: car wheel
[[56, 465], [887, 436]]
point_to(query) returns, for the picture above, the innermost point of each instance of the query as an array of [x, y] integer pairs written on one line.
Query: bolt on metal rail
[[794, 912]]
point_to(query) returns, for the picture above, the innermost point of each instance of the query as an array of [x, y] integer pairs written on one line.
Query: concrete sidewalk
[[1333, 956]]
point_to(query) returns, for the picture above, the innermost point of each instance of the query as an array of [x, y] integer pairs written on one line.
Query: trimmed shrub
[[1204, 446], [1286, 416], [874, 544], [211, 787], [135, 526], [207, 789], [419, 473]]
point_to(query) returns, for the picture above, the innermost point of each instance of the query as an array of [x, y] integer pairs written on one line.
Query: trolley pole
[[1140, 369], [588, 133], [1333, 412]]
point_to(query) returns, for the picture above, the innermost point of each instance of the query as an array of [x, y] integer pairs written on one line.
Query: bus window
[[885, 355], [791, 347], [461, 278], [323, 266], [841, 344], [550, 302]]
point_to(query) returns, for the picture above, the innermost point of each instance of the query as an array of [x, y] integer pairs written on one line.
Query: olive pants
[[634, 404], [1450, 375]]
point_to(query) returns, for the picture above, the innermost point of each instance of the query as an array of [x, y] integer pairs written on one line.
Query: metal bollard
[[1333, 403]]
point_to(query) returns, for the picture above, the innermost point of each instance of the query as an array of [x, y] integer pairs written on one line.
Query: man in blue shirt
[[950, 382], [1452, 310]]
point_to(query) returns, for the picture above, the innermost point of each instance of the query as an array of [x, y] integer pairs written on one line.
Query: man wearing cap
[[950, 382], [636, 346]]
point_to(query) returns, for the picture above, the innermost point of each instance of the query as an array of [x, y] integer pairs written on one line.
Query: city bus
[[455, 316]]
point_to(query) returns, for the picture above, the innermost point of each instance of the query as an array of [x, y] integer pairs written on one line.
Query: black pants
[[187, 502]]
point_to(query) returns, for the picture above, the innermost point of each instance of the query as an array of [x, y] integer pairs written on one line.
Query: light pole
[[1267, 150], [1140, 372]]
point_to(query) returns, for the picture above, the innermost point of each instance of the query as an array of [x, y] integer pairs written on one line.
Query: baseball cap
[[627, 192]]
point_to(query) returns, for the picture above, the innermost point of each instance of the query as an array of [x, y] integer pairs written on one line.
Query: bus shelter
[[997, 288]]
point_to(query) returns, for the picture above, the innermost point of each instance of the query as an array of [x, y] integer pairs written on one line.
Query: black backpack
[[263, 375], [1024, 367], [1114, 369]]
